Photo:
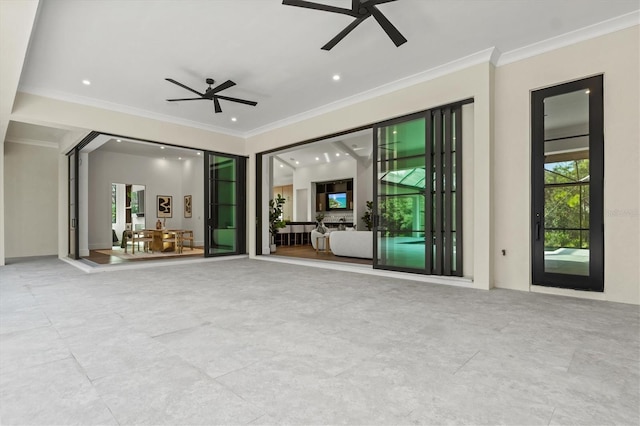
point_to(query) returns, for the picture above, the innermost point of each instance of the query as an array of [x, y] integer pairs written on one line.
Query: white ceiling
[[127, 49]]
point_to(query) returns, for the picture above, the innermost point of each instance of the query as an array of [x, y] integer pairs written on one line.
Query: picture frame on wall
[[188, 212], [164, 206]]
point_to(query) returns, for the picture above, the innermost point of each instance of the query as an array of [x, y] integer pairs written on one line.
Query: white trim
[[572, 37], [112, 106], [34, 142], [368, 270], [579, 294], [91, 268], [430, 74]]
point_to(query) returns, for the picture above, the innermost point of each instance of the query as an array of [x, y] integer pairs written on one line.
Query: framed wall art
[[187, 206], [164, 206]]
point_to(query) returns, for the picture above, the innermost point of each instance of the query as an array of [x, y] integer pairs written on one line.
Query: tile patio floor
[[252, 342]]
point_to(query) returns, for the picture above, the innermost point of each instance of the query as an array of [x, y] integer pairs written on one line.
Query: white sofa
[[352, 243]]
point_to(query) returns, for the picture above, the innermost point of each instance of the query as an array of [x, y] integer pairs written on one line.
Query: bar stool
[[297, 230], [286, 230], [307, 231]]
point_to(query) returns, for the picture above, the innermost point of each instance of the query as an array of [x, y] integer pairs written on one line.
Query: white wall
[[31, 208], [615, 55], [193, 184], [159, 176], [305, 178]]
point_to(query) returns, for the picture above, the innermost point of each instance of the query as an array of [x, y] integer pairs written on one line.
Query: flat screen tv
[[337, 200]]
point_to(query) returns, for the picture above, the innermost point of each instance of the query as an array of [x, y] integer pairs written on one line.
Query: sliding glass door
[[399, 224], [225, 204], [418, 193]]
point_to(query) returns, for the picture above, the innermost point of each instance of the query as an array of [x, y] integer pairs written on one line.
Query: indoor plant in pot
[[367, 218], [275, 219]]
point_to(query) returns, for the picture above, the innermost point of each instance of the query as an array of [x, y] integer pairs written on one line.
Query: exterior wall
[[31, 208], [615, 55], [501, 151], [16, 21]]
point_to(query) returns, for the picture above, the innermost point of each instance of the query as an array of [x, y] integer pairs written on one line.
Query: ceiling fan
[[211, 94], [361, 10]]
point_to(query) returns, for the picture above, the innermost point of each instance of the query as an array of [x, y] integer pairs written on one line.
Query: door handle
[[537, 226]]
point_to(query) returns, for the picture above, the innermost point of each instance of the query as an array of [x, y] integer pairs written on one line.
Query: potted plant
[[275, 221], [367, 217], [319, 218]]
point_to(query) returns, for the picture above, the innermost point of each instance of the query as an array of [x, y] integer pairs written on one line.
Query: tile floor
[[251, 342]]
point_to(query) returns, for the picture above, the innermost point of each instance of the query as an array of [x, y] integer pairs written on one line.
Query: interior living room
[[491, 148]]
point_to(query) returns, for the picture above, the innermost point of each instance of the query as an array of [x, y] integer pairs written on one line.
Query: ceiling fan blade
[[393, 33], [342, 34], [183, 86], [324, 7], [216, 105], [187, 99], [223, 86], [242, 101], [374, 2]]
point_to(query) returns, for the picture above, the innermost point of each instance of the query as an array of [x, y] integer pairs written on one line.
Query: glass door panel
[[567, 167], [418, 195], [400, 199], [224, 232]]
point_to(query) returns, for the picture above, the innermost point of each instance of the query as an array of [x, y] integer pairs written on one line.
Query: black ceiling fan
[[360, 10], [211, 94]]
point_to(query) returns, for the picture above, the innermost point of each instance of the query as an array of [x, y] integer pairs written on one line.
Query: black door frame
[[595, 280], [241, 216], [438, 127], [74, 210]]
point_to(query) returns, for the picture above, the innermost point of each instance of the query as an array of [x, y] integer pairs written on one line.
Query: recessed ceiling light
[[346, 153], [317, 158], [281, 165], [234, 119], [198, 153], [179, 158], [336, 77], [118, 140], [395, 132], [587, 91], [86, 82], [337, 154], [162, 147], [297, 162]]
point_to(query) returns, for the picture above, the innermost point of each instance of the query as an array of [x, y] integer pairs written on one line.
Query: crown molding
[[33, 142], [482, 56], [592, 31], [112, 106]]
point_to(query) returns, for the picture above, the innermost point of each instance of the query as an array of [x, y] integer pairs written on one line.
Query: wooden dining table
[[158, 236]]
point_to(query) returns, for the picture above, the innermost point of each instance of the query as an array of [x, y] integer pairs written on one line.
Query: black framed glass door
[[74, 252], [225, 177], [567, 185], [418, 193]]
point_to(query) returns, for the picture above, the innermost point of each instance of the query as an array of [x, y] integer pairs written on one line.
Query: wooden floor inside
[[105, 259], [308, 252], [299, 251]]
